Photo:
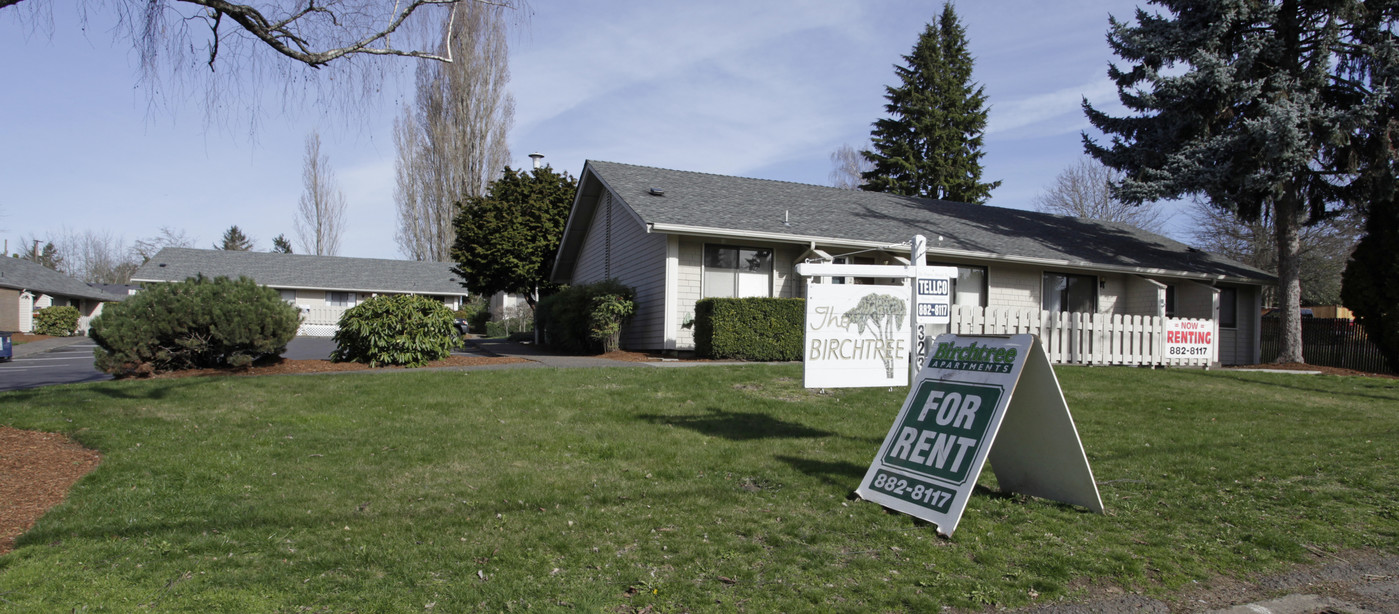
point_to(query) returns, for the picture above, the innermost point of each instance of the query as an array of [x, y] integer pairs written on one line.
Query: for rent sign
[[856, 335], [1189, 338], [980, 398]]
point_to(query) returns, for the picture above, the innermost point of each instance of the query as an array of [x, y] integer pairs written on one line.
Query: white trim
[[671, 301]]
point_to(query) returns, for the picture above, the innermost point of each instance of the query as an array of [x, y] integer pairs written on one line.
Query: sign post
[[980, 397]]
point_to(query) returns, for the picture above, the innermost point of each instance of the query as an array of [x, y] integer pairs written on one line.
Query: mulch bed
[[36, 471]]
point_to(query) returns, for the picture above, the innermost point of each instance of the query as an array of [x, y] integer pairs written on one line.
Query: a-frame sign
[[980, 397]]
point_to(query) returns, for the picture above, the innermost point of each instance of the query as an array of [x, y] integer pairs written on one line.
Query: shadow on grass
[[840, 473], [739, 426]]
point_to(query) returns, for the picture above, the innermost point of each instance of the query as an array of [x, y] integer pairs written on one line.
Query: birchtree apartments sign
[[978, 398]]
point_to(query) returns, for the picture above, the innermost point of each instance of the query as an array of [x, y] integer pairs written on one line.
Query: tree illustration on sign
[[883, 315]]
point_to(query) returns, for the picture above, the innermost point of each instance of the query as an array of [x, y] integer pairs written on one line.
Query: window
[[969, 287], [1228, 307], [288, 296], [737, 272], [340, 299], [1072, 293]]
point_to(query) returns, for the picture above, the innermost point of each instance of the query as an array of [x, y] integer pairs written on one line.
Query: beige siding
[[689, 290], [1195, 300], [1112, 295], [1010, 286], [9, 309], [618, 246], [1145, 297]]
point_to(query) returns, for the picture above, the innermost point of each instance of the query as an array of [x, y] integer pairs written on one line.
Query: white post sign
[[980, 397], [856, 335], [1189, 338]]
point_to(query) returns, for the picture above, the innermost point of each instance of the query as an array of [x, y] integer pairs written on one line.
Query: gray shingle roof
[[803, 212], [302, 271], [25, 275]]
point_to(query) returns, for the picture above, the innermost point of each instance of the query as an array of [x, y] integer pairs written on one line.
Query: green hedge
[[193, 324], [403, 329], [766, 329], [61, 321], [579, 319]]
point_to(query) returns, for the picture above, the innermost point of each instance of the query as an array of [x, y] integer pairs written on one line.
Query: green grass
[[715, 488]]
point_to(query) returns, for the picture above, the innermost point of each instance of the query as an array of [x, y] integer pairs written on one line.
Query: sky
[[754, 89]]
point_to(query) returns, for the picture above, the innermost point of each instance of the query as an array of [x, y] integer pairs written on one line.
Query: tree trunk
[[1287, 225]]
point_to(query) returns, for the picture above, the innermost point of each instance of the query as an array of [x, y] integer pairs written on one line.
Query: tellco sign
[[980, 398]]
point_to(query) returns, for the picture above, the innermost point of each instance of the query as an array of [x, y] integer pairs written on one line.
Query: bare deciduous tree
[[452, 144], [847, 166], [1325, 248], [145, 249], [320, 215], [92, 256], [237, 47], [1082, 190]]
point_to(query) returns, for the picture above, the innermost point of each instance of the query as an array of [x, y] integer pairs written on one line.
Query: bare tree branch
[[320, 215]]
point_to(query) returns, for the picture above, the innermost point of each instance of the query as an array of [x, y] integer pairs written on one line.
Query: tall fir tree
[[930, 145], [1258, 105], [234, 240], [281, 244]]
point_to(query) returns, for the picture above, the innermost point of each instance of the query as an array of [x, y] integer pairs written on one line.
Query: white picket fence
[[319, 321], [1081, 338]]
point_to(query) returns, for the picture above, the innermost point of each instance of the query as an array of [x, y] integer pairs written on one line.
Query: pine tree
[[281, 245], [930, 145], [234, 240], [1258, 106]]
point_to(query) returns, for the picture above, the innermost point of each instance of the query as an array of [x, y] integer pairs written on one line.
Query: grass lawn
[[723, 488]]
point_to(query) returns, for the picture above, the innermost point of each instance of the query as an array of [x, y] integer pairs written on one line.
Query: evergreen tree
[[281, 245], [930, 145], [1368, 286], [234, 240], [506, 240], [1257, 105]]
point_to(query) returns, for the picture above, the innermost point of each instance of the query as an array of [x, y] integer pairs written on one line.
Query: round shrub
[[406, 330], [56, 321], [586, 319], [194, 324]]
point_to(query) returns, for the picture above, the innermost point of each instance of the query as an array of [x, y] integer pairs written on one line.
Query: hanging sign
[[856, 335], [980, 397]]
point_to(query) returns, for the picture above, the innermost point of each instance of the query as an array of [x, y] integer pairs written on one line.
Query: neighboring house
[[26, 287], [323, 287], [680, 236]]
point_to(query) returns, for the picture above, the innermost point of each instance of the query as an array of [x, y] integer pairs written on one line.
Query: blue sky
[[763, 90]]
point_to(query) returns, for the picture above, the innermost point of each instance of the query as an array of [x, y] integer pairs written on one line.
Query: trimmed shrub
[[606, 313], [194, 324], [407, 330], [565, 318], [56, 321], [765, 329]]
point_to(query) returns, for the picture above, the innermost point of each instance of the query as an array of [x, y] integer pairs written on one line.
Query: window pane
[[1083, 293], [719, 257], [970, 287], [1228, 307], [1053, 293], [719, 283]]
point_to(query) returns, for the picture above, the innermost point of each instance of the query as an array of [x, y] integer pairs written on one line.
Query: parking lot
[[70, 364]]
